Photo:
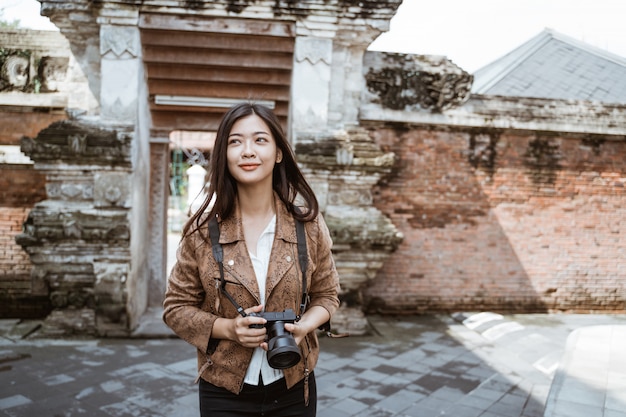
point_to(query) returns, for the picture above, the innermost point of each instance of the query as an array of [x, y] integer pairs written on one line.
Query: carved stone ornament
[[112, 189], [119, 40], [15, 71], [29, 71], [52, 71], [405, 82], [79, 144], [314, 50]]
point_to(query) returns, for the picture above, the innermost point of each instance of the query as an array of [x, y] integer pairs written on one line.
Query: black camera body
[[287, 316], [282, 352]]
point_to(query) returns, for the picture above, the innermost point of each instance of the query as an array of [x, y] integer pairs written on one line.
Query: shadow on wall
[[499, 222]]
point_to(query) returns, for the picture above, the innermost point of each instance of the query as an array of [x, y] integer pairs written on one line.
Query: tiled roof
[[552, 65]]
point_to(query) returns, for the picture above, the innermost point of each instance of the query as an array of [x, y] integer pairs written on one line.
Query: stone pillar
[[339, 158], [343, 167], [310, 90], [346, 86], [123, 101], [159, 191]]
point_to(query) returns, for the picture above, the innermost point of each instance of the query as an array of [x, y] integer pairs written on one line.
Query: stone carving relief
[[120, 48], [311, 79], [29, 72], [71, 227], [70, 141], [314, 50], [52, 72], [120, 110], [15, 72], [405, 82], [119, 41], [111, 189], [65, 186], [77, 144]]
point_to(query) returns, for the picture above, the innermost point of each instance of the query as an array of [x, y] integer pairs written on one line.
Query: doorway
[[189, 153]]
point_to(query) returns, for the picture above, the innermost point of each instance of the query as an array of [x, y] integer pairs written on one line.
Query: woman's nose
[[248, 150]]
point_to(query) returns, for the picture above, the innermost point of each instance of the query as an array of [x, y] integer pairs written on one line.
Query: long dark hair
[[287, 179]]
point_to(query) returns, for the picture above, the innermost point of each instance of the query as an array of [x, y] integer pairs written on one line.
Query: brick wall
[[14, 262], [20, 188], [502, 222], [14, 125], [17, 299]]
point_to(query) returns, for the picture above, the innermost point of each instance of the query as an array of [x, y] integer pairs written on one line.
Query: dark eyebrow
[[260, 132]]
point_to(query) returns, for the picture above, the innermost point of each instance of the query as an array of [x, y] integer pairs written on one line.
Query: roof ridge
[[588, 47], [505, 64], [489, 75], [554, 65]]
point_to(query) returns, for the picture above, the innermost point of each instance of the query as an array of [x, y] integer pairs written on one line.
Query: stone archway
[[153, 69], [195, 69]]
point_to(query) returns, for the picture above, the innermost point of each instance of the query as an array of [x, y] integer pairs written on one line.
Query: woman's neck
[[256, 213], [256, 206]]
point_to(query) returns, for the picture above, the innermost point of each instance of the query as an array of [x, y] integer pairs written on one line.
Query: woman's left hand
[[297, 330], [311, 320]]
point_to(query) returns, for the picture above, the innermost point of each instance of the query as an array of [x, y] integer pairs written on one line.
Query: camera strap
[[218, 254], [303, 259]]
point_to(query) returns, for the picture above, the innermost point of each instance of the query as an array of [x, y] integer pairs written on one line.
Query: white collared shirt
[[260, 262]]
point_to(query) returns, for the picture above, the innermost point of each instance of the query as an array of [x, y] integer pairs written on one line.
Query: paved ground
[[591, 379], [465, 365]]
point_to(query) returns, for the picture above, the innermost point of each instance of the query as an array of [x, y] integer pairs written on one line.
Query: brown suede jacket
[[193, 300]]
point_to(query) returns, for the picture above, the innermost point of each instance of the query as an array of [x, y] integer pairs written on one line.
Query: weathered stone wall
[[514, 222], [79, 237]]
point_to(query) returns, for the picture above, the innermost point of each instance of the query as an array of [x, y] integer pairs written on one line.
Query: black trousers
[[273, 400]]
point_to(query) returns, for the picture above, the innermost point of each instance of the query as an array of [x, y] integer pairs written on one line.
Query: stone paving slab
[[409, 366], [591, 379]]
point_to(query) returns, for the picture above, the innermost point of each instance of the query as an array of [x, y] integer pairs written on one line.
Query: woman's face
[[252, 152]]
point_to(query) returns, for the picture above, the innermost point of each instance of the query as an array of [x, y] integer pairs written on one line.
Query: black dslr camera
[[282, 352]]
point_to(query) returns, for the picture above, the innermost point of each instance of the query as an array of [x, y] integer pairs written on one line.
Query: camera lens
[[283, 352]]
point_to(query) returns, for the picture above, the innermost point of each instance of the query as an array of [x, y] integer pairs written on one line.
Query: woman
[[254, 181]]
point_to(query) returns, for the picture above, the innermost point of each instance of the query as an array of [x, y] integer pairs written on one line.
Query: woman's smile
[[249, 166]]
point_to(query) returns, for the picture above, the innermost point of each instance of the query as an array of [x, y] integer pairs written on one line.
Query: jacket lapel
[[284, 255], [237, 263], [283, 258]]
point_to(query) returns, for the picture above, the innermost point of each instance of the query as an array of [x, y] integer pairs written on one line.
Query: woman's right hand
[[239, 330]]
